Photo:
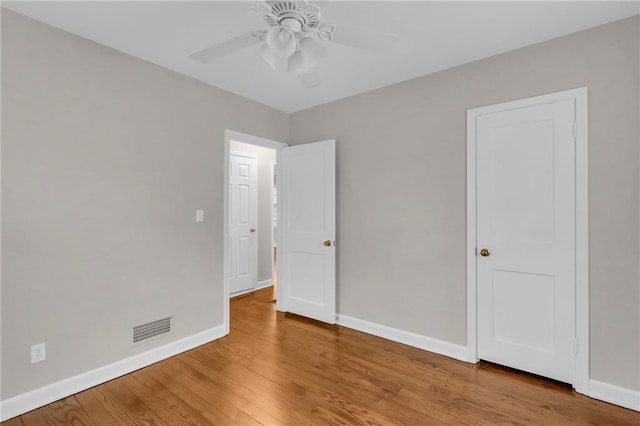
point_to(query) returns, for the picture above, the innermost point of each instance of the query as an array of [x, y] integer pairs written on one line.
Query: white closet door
[[526, 239]]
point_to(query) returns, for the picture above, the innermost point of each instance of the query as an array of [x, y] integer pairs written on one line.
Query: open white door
[[308, 227]]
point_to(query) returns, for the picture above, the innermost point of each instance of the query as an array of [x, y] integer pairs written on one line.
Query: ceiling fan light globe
[[296, 62], [279, 43], [312, 52], [284, 36]]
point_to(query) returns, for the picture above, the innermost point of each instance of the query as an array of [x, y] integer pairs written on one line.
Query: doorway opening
[[252, 219], [305, 235], [250, 215]]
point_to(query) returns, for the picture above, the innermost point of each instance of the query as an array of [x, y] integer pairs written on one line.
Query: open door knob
[[484, 252], [252, 230], [327, 243]]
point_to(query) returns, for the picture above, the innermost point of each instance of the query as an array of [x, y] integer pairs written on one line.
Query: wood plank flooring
[[281, 369]]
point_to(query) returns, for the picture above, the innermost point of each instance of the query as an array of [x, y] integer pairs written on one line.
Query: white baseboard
[[416, 340], [28, 401], [264, 284], [617, 395], [259, 286]]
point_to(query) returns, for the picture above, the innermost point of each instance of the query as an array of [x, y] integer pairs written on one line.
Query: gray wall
[[265, 247], [105, 159], [401, 188]]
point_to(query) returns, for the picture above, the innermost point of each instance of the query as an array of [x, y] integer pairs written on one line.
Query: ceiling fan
[[294, 39]]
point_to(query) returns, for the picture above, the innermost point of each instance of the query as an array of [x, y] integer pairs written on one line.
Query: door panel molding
[[580, 97]]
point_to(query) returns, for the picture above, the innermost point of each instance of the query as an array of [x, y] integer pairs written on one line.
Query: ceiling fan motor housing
[[285, 13]]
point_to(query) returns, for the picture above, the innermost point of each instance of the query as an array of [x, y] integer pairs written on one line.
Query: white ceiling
[[439, 35]]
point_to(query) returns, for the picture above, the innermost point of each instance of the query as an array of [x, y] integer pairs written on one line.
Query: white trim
[[472, 295], [28, 401], [405, 337], [243, 154], [580, 96], [253, 140], [582, 374], [264, 284], [279, 292], [230, 135], [241, 292], [272, 168], [624, 397], [260, 286]]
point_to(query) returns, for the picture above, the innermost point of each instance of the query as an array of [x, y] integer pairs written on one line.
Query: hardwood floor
[[278, 368]]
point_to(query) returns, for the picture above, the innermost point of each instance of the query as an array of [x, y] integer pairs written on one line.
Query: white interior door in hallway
[[526, 238], [243, 210]]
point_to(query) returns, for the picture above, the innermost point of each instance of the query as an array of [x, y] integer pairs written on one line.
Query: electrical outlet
[[38, 353]]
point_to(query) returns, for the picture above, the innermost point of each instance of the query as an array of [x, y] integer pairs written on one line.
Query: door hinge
[[476, 251], [576, 346], [575, 130]]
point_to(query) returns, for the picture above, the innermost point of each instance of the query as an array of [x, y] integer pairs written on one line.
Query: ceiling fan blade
[[267, 56], [261, 7], [369, 40], [308, 7], [319, 3], [310, 78], [265, 9], [226, 47], [275, 62]]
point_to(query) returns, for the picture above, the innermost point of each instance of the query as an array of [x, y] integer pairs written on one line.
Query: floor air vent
[[152, 329]]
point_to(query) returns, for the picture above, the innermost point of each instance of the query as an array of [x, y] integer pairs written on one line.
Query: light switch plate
[[199, 215]]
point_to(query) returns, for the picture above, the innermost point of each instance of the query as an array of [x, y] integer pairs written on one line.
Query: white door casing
[[528, 299], [306, 269], [243, 209]]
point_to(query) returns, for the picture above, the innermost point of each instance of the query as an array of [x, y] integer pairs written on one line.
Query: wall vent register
[[152, 329]]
